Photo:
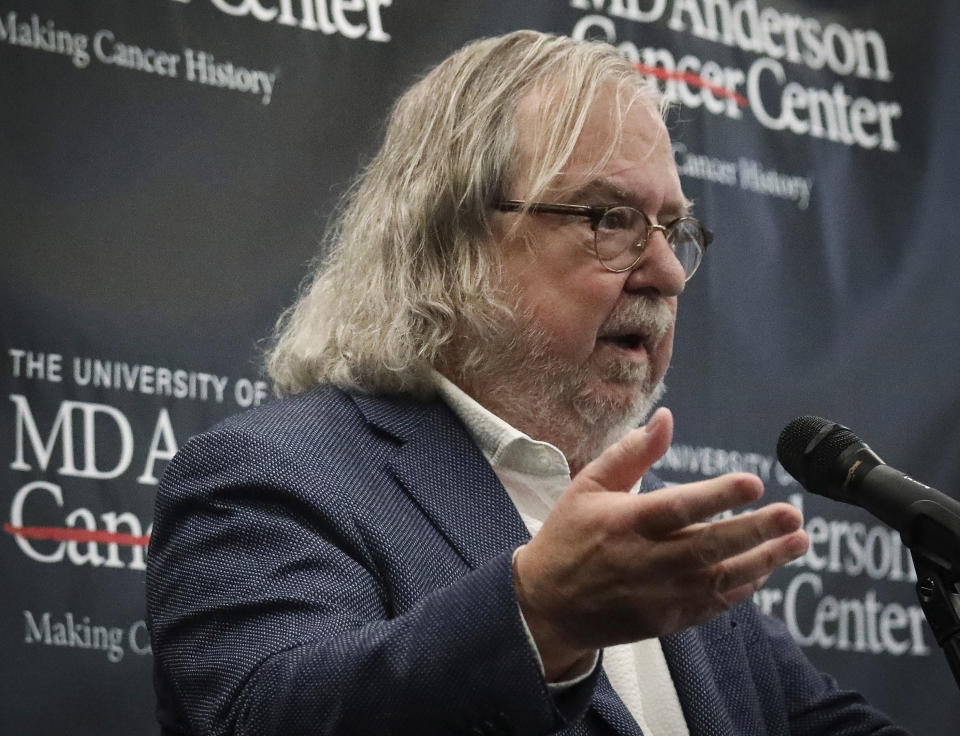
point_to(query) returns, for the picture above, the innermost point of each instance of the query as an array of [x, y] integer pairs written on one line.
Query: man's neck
[[532, 416]]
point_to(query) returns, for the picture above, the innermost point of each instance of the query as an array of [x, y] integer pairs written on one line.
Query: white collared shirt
[[535, 474]]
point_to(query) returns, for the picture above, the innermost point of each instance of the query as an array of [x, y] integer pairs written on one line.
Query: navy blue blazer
[[340, 564]]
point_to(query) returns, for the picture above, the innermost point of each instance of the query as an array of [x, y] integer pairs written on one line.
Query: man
[[494, 315]]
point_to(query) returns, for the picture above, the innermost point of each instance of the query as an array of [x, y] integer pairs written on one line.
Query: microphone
[[828, 459]]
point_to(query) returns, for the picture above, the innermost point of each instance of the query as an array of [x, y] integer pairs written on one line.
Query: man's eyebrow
[[601, 191], [605, 191], [684, 208]]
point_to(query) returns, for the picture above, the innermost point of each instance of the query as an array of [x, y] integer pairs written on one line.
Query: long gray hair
[[409, 261]]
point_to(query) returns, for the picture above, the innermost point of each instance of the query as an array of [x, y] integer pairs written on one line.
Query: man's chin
[[607, 410], [616, 401], [624, 393]]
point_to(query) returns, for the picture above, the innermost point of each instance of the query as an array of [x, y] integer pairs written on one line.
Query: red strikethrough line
[[68, 534], [692, 79]]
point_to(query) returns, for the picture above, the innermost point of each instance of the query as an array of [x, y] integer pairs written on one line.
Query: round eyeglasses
[[620, 233]]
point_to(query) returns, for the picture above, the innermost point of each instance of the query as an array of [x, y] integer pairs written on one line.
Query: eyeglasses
[[620, 233]]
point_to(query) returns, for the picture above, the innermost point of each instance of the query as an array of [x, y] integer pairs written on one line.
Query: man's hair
[[409, 259]]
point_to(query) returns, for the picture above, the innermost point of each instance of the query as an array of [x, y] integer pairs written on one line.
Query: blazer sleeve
[[814, 704], [268, 615]]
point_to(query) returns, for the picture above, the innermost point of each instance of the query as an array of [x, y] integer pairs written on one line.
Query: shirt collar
[[502, 444]]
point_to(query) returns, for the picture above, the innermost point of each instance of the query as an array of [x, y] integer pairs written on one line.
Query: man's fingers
[[738, 595], [754, 566], [623, 463], [668, 510], [708, 544]]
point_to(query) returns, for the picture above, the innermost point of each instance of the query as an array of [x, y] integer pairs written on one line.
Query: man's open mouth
[[626, 341]]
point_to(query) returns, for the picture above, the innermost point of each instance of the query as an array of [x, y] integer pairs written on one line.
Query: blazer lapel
[[442, 469], [611, 708], [701, 701]]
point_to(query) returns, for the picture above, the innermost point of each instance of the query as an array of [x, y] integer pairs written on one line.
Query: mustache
[[651, 315]]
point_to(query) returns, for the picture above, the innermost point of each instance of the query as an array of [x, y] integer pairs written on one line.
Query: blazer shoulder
[[326, 430], [324, 405], [329, 408]]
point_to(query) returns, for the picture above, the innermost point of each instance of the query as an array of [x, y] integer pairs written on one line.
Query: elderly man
[[438, 529]]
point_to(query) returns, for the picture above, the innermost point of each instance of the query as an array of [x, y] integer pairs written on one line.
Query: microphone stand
[[937, 591], [932, 533]]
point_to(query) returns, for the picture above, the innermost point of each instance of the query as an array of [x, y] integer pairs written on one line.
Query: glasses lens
[[686, 237], [619, 237]]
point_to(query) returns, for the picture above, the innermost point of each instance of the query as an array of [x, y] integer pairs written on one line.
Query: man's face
[[590, 347]]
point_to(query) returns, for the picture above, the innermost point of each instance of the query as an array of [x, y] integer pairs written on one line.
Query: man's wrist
[[560, 663]]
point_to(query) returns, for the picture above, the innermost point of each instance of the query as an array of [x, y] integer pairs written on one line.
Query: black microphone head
[[808, 449]]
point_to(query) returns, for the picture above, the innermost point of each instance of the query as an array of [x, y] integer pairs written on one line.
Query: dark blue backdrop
[[167, 169]]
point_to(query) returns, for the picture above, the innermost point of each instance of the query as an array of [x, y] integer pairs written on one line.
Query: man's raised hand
[[611, 567]]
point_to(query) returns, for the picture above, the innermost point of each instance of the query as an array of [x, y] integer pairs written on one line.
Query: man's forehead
[[602, 169], [581, 165]]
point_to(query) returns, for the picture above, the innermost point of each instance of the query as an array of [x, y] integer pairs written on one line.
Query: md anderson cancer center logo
[[781, 42]]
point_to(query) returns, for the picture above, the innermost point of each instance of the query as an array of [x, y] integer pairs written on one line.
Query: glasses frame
[[595, 213]]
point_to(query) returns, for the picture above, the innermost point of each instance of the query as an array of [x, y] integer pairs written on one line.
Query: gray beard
[[519, 380]]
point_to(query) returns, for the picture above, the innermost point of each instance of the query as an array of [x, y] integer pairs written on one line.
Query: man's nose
[[659, 270]]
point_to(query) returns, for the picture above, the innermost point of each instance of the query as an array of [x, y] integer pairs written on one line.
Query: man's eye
[[619, 218]]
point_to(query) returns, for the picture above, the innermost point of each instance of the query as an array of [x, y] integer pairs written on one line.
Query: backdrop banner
[[168, 169]]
